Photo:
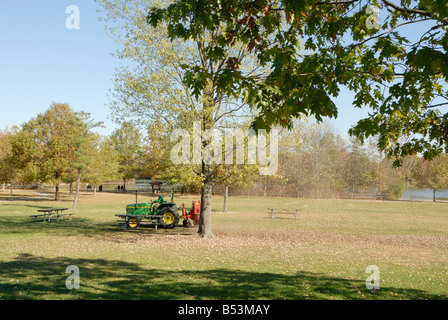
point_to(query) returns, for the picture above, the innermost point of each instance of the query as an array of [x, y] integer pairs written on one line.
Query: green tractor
[[160, 210]]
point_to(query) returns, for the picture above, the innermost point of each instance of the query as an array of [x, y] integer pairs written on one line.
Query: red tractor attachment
[[191, 217]]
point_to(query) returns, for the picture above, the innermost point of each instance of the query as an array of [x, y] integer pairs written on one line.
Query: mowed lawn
[[322, 255]]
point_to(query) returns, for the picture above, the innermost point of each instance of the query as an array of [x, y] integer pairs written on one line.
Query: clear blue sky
[[42, 61]]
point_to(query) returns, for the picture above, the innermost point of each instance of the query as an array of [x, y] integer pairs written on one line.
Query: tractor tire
[[170, 217], [133, 223]]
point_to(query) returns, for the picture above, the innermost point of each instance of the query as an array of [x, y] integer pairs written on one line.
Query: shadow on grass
[[66, 227], [31, 277], [37, 207], [26, 198], [20, 224]]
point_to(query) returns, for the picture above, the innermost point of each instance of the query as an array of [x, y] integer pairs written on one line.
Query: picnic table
[[132, 221], [272, 212], [47, 213]]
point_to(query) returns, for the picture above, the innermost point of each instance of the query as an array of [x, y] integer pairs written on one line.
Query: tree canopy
[[153, 87], [316, 48]]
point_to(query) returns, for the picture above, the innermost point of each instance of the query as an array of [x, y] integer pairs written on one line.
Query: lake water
[[424, 194]]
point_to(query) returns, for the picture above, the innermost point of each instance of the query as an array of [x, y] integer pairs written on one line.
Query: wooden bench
[[272, 212]]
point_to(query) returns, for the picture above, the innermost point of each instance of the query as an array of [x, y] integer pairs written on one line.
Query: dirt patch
[[390, 246], [32, 196]]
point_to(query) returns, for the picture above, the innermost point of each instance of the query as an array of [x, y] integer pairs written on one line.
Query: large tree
[[316, 48], [432, 174], [17, 163], [152, 87], [83, 141], [127, 142], [47, 143], [359, 169], [104, 164], [8, 168], [309, 158]]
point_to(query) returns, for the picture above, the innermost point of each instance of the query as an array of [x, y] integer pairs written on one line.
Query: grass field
[[322, 255]]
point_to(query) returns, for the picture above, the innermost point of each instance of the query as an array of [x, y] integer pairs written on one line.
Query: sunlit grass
[[322, 255]]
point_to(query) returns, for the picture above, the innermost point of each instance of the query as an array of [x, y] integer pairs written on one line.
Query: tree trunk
[[226, 196], [94, 190], [56, 194], [316, 178], [353, 189], [11, 190], [71, 190], [78, 183], [434, 195], [205, 221], [265, 186]]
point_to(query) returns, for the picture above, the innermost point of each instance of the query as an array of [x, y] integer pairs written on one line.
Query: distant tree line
[[61, 146], [315, 161]]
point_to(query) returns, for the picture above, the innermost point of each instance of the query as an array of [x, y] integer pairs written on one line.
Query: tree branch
[[416, 11], [436, 105]]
